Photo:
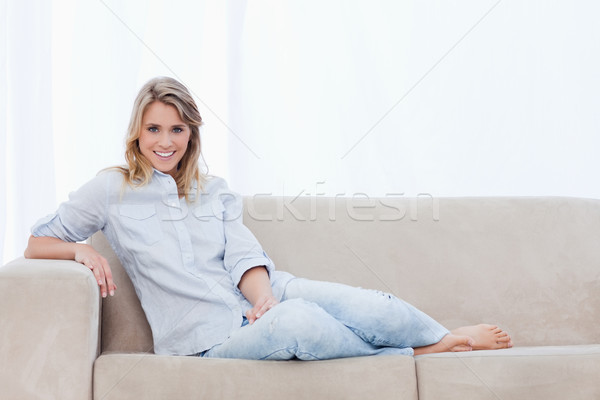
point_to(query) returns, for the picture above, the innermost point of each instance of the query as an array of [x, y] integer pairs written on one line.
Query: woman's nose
[[165, 139]]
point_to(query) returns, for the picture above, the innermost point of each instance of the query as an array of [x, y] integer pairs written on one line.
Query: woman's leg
[[378, 318], [297, 329], [384, 320]]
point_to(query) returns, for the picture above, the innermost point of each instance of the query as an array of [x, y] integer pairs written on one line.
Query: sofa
[[529, 265]]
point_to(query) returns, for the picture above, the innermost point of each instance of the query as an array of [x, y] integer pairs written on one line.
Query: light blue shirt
[[185, 259]]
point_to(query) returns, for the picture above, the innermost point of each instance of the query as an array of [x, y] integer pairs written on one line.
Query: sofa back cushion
[[124, 324], [530, 265]]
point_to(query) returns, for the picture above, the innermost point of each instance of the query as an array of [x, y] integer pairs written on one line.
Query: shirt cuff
[[52, 226], [248, 263]]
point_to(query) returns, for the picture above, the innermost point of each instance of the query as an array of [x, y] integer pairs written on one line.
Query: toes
[[504, 338], [504, 344]]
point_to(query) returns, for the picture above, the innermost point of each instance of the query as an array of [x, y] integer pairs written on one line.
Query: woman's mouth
[[164, 156]]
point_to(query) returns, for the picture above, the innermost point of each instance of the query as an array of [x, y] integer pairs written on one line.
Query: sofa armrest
[[49, 329]]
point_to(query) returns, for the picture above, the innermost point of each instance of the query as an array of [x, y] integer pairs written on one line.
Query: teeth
[[164, 154]]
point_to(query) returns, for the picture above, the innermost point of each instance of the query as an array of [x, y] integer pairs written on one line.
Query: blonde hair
[[139, 171]]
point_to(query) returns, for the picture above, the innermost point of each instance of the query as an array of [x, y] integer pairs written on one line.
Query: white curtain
[[27, 142], [469, 98]]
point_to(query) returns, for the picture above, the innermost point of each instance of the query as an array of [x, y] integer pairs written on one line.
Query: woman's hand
[[256, 287], [56, 249], [264, 304], [88, 256]]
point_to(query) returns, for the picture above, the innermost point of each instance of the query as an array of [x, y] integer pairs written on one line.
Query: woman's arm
[[54, 248], [255, 285]]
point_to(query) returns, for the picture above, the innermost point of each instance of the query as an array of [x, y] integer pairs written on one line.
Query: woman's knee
[[297, 319]]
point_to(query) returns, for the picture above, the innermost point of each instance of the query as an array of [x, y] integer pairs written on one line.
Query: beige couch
[[530, 265]]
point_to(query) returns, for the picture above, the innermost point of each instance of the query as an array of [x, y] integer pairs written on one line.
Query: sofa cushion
[[146, 376], [544, 372], [529, 265]]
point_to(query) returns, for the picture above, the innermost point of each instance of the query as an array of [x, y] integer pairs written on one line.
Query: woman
[[204, 282]]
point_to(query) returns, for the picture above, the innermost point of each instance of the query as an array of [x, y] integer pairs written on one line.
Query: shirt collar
[[194, 189]]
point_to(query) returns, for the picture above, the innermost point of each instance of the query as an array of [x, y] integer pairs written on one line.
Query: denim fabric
[[323, 320]]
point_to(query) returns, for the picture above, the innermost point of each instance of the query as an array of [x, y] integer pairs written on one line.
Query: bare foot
[[449, 342], [486, 337]]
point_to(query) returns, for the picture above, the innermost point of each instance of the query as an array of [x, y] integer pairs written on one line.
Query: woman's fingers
[[110, 285], [89, 257], [261, 307], [98, 270], [267, 305]]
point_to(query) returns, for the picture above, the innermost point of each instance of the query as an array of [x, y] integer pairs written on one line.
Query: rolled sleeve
[[79, 217], [53, 227], [248, 263], [242, 249]]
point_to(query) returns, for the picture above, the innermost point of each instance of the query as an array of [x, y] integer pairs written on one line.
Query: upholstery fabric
[[529, 265], [547, 372], [142, 376], [49, 330], [124, 324]]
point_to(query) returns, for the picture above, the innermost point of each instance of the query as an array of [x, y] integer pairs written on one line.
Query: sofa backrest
[[530, 265]]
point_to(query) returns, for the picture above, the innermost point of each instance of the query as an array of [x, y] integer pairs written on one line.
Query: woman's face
[[164, 137]]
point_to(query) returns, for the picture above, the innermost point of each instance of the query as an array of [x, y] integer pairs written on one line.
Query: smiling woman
[[164, 137], [164, 133], [204, 281]]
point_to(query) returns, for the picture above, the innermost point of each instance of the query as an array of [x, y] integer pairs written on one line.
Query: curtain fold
[[28, 150], [3, 126]]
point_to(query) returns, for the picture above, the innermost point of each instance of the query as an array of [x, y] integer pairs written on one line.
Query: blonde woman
[[205, 284]]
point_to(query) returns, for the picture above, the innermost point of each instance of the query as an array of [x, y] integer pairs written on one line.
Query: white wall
[[463, 98]]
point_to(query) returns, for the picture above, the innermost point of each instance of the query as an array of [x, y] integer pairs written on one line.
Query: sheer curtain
[[332, 97], [27, 150], [3, 124]]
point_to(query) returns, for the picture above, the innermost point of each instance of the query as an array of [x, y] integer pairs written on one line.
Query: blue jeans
[[322, 320]]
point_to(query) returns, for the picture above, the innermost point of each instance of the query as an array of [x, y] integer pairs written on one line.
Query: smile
[[164, 155]]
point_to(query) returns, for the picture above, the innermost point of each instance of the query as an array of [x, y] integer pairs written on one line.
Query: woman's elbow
[[29, 253]]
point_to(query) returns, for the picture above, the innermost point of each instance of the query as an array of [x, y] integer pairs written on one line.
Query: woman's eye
[[177, 130], [153, 129]]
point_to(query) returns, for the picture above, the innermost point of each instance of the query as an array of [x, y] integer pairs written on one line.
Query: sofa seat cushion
[[148, 376], [548, 372]]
